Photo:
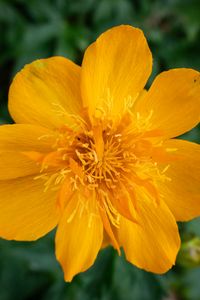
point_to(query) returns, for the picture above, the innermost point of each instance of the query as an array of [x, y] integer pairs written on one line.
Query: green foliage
[[42, 28], [30, 271]]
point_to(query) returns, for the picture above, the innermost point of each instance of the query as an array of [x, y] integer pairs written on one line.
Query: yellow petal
[[79, 236], [174, 102], [125, 203], [182, 192], [106, 240], [109, 230], [26, 138], [115, 69], [153, 243], [26, 211], [46, 92], [14, 164]]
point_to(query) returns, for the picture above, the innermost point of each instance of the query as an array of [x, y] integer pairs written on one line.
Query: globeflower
[[93, 153]]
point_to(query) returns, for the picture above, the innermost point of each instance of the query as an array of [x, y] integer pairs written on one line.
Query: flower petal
[[19, 137], [182, 192], [46, 92], [154, 242], [79, 236], [174, 102], [115, 69], [14, 164], [26, 211]]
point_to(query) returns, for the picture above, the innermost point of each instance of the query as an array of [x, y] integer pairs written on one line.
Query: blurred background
[[31, 29]]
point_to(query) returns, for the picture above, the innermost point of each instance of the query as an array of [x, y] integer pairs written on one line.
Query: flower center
[[109, 160], [102, 157]]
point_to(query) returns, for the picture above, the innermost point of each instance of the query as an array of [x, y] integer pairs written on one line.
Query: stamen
[[96, 160]]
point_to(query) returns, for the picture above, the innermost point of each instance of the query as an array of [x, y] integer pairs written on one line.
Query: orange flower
[[92, 153]]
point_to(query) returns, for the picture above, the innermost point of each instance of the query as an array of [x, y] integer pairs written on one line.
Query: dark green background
[[31, 29]]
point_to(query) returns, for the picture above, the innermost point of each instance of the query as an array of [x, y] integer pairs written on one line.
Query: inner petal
[[108, 160]]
